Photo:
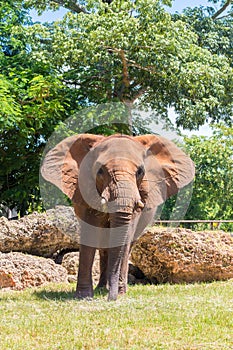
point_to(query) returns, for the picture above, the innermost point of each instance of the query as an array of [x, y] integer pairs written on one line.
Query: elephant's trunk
[[120, 239], [121, 201], [116, 255], [121, 195]]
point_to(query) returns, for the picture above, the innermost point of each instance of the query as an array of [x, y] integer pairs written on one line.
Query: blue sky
[[178, 5]]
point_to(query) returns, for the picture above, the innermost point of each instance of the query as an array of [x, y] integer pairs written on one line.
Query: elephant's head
[[116, 184], [117, 173]]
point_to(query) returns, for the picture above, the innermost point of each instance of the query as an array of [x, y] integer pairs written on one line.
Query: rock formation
[[19, 271], [41, 234], [181, 255], [161, 255]]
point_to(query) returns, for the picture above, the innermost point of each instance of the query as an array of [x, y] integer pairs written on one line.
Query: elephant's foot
[[122, 288], [112, 296], [86, 294], [114, 293]]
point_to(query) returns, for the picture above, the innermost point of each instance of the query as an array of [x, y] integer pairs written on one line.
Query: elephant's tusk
[[140, 204], [103, 201], [104, 205]]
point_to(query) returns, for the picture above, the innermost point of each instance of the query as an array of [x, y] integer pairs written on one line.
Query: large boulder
[[19, 271], [181, 255], [41, 234], [71, 262]]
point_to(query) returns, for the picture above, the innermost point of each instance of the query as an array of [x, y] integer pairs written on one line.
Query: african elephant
[[116, 184]]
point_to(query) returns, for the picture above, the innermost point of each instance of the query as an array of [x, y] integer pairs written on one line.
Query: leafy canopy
[[212, 195], [32, 100], [213, 156], [104, 51], [136, 51]]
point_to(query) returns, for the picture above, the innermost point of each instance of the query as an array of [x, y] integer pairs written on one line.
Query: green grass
[[170, 317]]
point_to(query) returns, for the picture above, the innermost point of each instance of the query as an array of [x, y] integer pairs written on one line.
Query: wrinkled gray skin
[[116, 184]]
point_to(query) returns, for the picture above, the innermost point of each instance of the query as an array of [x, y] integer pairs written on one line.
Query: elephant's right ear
[[168, 168], [61, 164]]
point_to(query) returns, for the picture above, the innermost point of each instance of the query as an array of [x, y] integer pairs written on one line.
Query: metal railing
[[213, 223]]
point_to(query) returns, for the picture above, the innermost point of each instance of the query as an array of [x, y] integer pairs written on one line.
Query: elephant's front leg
[[103, 268], [84, 285], [123, 278], [114, 265]]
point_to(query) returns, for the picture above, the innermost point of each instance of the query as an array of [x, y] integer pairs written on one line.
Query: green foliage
[[214, 35], [213, 157], [9, 107], [214, 30], [212, 195], [128, 51], [33, 99]]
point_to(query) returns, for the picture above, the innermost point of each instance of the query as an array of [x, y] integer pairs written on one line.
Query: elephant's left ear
[[61, 164], [177, 167]]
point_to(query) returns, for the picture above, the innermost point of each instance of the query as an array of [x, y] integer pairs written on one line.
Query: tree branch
[[225, 16], [129, 63], [149, 69], [222, 9], [74, 6], [125, 72], [71, 5], [139, 93]]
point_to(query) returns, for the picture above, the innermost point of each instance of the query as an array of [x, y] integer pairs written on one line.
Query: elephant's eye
[[100, 172], [140, 172]]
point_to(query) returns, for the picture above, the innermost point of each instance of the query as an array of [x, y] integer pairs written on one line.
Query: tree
[[102, 51], [135, 51], [211, 195], [214, 33], [33, 99], [213, 156]]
